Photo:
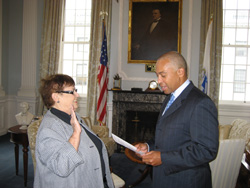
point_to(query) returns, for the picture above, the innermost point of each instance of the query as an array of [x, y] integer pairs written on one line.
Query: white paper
[[125, 144]]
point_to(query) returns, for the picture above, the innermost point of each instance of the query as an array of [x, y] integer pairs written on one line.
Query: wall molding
[[2, 93], [229, 112]]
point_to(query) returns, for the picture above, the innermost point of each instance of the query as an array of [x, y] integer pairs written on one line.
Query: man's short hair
[[157, 8]]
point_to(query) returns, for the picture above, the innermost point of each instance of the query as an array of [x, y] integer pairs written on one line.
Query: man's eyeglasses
[[68, 92]]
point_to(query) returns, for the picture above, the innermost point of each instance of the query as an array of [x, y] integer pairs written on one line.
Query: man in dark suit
[[157, 39], [186, 137]]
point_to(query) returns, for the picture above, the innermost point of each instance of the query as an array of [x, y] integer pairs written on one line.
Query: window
[[74, 58], [235, 65]]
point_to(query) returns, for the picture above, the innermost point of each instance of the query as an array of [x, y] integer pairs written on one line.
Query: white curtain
[[53, 15], [212, 8]]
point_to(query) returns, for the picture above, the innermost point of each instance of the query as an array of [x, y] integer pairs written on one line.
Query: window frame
[[74, 71], [234, 65]]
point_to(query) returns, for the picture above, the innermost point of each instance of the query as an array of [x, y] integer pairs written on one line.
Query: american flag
[[102, 81]]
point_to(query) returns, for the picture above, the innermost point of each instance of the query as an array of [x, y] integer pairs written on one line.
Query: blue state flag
[[206, 61]]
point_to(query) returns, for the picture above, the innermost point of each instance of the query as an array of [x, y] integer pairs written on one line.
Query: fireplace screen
[[140, 126]]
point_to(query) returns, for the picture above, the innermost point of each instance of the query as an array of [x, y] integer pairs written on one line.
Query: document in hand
[[125, 144]]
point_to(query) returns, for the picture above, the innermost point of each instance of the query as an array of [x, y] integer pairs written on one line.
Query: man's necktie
[[171, 100]]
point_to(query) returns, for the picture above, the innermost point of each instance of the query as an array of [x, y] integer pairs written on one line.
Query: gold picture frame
[[142, 48]]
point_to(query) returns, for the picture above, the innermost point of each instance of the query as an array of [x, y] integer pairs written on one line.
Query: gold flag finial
[[102, 14]]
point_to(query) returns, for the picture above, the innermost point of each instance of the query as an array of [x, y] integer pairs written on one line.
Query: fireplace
[[140, 126], [135, 114]]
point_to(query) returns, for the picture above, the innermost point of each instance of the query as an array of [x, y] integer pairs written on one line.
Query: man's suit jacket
[[187, 137], [161, 40]]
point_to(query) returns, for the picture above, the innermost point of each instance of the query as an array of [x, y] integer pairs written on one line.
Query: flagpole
[[103, 14]]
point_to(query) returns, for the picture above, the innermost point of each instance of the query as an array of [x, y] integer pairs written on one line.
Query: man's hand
[[142, 147], [152, 158]]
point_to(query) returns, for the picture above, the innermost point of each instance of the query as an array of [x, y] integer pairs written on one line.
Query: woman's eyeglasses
[[68, 92]]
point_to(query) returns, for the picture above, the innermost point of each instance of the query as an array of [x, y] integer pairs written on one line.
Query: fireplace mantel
[[124, 101]]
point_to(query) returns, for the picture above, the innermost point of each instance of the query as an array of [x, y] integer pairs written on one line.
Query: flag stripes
[[102, 78]]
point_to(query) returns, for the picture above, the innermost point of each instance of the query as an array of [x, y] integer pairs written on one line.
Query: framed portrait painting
[[154, 29]]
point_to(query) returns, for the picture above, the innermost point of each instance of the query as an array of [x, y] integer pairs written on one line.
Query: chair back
[[32, 132], [87, 120], [225, 168]]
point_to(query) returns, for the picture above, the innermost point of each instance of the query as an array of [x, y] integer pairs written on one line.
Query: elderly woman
[[68, 153]]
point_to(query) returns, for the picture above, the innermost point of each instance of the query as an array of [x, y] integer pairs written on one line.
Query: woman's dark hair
[[52, 84]]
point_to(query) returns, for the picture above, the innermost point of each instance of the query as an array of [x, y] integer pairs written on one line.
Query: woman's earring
[[58, 101]]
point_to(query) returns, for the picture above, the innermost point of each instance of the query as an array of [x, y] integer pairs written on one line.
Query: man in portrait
[[158, 37]]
